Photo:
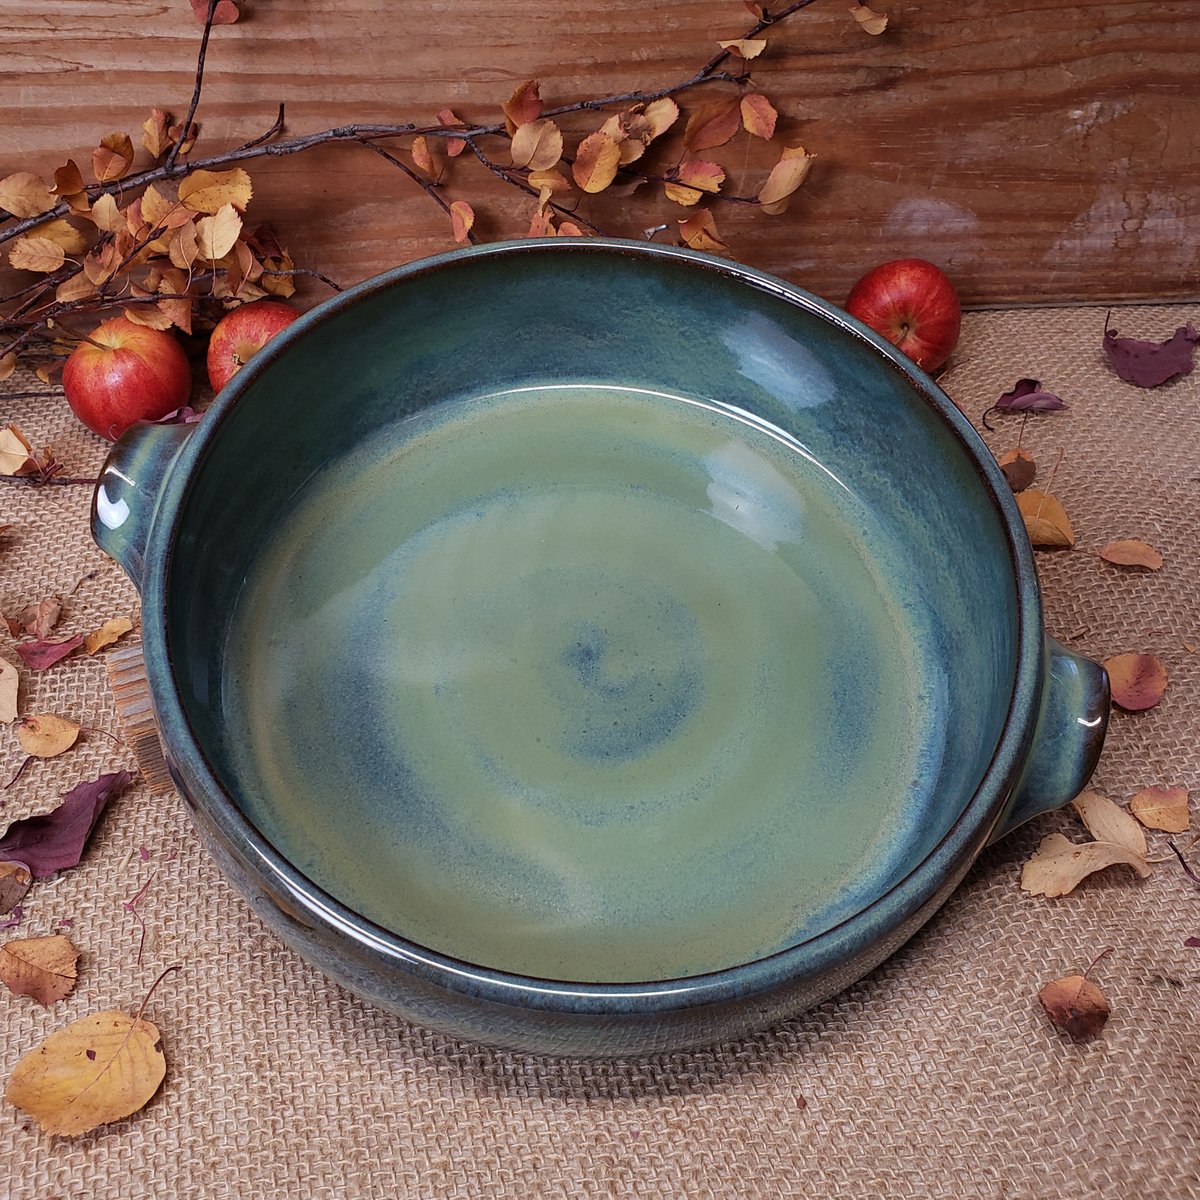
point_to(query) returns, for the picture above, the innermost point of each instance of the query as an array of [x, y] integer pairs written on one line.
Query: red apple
[[912, 304], [125, 373], [242, 332]]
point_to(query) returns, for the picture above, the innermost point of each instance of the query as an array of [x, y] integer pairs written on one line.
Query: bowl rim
[[871, 924]]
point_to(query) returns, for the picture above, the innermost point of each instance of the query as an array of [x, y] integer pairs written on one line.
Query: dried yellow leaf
[[660, 116], [537, 145], [36, 254], [76, 287], [759, 116], [60, 230], [786, 176], [16, 454], [1109, 822], [1164, 808], [745, 47], [24, 194], [211, 191], [216, 235], [47, 735], [108, 633], [10, 682], [155, 137], [112, 159], [107, 215], [699, 231], [42, 968], [462, 217], [96, 1070], [1046, 520], [872, 22], [184, 249], [596, 162], [1059, 865]]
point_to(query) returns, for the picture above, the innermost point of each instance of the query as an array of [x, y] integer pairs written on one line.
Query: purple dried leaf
[[1148, 364], [1028, 395], [180, 416], [14, 918], [1193, 942], [41, 655], [55, 840]]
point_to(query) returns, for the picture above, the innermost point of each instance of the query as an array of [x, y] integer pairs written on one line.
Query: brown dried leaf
[[155, 137], [160, 212], [96, 1070], [524, 105], [15, 881], [759, 116], [42, 968], [16, 453], [68, 180], [10, 682], [112, 159], [107, 215], [175, 133], [211, 191], [1046, 520], [1019, 468], [149, 315], [1059, 865], [216, 235], [1076, 1005], [454, 146], [570, 229], [24, 194], [537, 145], [541, 224], [1132, 552], [713, 123], [76, 287], [36, 254], [745, 47], [699, 231], [870, 21], [596, 162], [1109, 822], [695, 177], [786, 176], [8, 364], [1164, 808], [60, 230], [47, 735], [36, 619], [1138, 681], [462, 217]]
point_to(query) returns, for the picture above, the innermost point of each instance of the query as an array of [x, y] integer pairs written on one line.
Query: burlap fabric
[[938, 1076]]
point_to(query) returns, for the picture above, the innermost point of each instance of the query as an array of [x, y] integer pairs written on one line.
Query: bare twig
[[185, 128]]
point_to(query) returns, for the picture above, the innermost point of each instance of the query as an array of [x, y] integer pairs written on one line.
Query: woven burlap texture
[[937, 1076]]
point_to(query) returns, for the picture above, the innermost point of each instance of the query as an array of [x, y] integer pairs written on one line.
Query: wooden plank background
[[1040, 151]]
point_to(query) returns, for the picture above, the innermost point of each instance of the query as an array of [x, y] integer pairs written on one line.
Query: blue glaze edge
[[563, 1018]]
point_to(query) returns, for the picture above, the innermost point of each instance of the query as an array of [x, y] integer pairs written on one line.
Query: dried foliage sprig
[[169, 244]]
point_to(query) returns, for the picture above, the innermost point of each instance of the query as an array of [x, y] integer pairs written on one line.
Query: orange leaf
[[745, 47], [541, 224], [423, 157], [524, 105], [454, 146], [108, 633], [210, 191], [462, 217], [537, 145], [699, 231], [759, 116], [67, 180], [42, 968], [1138, 681], [713, 123], [112, 159], [786, 176], [1076, 1005], [871, 21], [25, 195], [98, 1069], [155, 137], [1046, 520], [159, 212], [1164, 808], [570, 229], [596, 162], [1131, 552], [36, 254]]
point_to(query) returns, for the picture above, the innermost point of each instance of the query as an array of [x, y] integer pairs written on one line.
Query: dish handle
[[1067, 743], [127, 493]]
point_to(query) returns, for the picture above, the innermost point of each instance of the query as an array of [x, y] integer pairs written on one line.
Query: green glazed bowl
[[592, 647]]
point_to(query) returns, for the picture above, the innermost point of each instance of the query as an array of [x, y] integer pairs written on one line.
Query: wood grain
[[1042, 152]]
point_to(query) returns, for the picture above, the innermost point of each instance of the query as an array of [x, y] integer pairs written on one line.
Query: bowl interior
[[592, 615]]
